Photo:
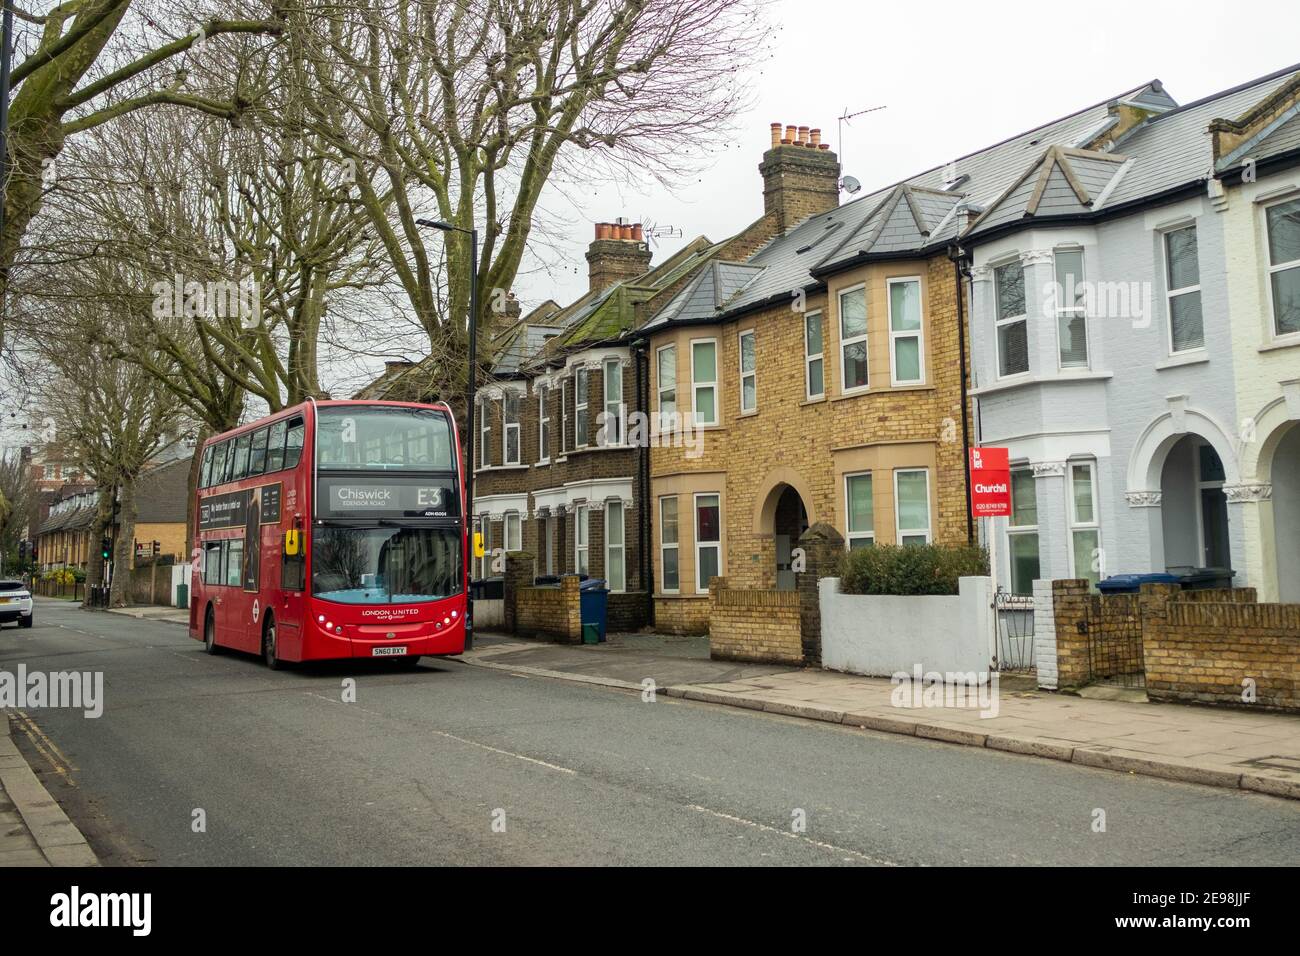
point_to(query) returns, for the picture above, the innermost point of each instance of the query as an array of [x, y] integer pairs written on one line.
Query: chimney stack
[[801, 176], [619, 252]]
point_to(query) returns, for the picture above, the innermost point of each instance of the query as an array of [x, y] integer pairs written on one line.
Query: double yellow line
[[47, 748]]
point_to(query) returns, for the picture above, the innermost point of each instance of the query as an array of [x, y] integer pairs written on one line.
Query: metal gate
[[1015, 623]]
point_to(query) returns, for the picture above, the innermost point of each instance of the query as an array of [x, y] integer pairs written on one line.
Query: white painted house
[[1126, 351]]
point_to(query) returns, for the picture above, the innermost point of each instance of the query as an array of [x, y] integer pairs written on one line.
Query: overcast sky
[[953, 78]]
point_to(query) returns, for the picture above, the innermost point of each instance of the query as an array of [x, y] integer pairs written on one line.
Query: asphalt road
[[421, 765]]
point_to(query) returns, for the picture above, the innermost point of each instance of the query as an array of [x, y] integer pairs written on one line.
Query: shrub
[[910, 569]]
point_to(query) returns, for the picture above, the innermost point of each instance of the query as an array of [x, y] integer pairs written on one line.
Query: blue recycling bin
[[593, 601], [1132, 583]]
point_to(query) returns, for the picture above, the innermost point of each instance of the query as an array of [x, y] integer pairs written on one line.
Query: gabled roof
[[707, 293], [919, 215], [1062, 181]]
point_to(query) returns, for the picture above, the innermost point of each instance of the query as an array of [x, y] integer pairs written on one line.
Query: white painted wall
[[880, 635]]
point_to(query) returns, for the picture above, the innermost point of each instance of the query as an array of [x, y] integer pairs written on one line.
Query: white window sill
[[1021, 381], [487, 468], [1191, 357], [1289, 341]]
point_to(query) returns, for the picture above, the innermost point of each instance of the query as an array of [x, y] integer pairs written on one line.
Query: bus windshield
[[385, 565], [383, 438]]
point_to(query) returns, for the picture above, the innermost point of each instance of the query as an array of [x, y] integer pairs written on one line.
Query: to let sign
[[990, 483]]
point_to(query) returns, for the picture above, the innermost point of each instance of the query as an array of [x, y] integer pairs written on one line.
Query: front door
[[784, 573]]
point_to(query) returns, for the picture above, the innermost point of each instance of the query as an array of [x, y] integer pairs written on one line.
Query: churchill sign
[[990, 483]]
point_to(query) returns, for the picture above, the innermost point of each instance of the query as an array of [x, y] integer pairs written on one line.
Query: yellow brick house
[[824, 374]]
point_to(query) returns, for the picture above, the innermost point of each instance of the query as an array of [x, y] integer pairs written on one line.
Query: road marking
[[60, 763], [794, 836], [507, 753]]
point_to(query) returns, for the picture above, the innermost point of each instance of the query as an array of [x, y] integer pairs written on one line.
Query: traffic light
[[22, 552], [105, 548]]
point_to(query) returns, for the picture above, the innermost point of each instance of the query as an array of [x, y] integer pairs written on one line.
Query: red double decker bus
[[332, 529]]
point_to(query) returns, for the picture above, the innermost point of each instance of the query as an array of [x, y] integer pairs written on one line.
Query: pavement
[[1214, 746], [201, 760], [34, 830]]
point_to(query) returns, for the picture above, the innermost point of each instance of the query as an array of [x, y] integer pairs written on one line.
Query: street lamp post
[[469, 397]]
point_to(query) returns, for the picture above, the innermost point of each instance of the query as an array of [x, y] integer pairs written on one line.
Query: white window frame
[[581, 539], [1062, 309], [1019, 530], [485, 433], [512, 518], [666, 423], [698, 385], [543, 425], [1271, 268], [548, 532], [810, 357], [1075, 524], [619, 408], [853, 340], [999, 321], [621, 546], [564, 415], [580, 409], [849, 534], [703, 587], [752, 374], [918, 333], [674, 546], [1171, 294], [507, 427], [929, 512]]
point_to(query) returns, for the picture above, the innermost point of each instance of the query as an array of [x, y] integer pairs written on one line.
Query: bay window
[[581, 524], [859, 511], [613, 382], [708, 540], [1085, 532], [704, 381], [1071, 314], [853, 339], [668, 545], [912, 505], [543, 424], [666, 381], [1012, 322], [1283, 221], [814, 366], [510, 428], [906, 343], [615, 549], [1022, 531], [580, 417], [748, 372]]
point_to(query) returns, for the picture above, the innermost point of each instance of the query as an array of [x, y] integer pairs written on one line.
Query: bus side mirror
[[291, 541], [478, 544]]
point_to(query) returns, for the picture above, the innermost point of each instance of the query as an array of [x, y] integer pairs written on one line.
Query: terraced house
[[826, 373], [1134, 339]]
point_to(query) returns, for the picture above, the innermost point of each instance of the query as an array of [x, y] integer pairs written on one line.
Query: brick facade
[[750, 625]]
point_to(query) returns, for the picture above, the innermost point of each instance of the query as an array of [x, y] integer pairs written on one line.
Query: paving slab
[[34, 830]]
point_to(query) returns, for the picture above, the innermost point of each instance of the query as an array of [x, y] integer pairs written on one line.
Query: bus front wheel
[[269, 651], [210, 633]]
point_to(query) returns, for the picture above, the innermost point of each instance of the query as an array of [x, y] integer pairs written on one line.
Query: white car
[[15, 603]]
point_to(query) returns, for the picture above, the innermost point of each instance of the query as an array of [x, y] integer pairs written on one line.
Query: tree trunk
[[95, 557], [120, 590]]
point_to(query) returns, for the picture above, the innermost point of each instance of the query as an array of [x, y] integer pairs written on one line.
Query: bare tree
[[16, 496], [468, 108], [93, 62]]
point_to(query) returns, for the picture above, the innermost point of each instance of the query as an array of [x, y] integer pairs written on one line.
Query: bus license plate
[[388, 652]]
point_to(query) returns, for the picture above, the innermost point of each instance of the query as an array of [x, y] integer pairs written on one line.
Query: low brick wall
[[682, 615], [551, 612], [626, 611], [1205, 652], [758, 625]]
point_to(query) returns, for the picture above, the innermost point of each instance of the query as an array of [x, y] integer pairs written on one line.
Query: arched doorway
[[1285, 473], [789, 522], [1194, 508]]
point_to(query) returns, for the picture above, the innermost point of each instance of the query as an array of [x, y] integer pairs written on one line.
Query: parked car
[[15, 603]]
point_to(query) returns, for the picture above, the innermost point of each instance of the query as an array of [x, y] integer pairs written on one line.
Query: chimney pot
[[637, 232], [803, 136], [824, 146], [815, 137], [790, 132], [776, 134]]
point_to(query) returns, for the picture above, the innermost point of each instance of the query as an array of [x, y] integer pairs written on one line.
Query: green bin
[[182, 595], [591, 633]]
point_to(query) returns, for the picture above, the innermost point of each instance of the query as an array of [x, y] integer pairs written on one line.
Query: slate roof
[[1061, 182], [162, 493]]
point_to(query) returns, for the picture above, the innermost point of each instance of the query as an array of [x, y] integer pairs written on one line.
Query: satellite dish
[[850, 185]]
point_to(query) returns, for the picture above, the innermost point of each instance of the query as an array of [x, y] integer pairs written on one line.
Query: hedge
[[910, 569]]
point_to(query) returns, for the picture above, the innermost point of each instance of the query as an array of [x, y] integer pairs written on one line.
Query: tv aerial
[[849, 184]]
